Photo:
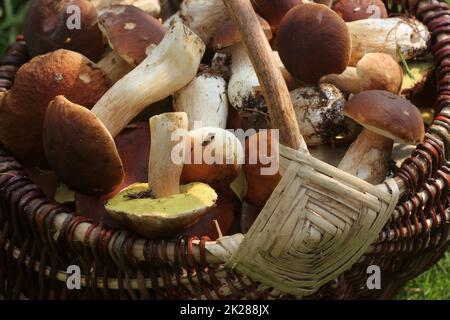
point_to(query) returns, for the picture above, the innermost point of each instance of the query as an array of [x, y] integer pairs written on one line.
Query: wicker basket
[[315, 238]]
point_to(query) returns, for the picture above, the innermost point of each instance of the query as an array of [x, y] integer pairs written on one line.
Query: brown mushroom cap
[[388, 115], [352, 10], [274, 11], [313, 41], [38, 82], [130, 31], [80, 149], [229, 34], [46, 28]]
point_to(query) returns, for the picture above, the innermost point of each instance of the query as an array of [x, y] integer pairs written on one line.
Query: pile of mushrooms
[[80, 109]]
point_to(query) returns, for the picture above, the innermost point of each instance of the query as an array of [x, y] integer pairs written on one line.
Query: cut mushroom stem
[[172, 65], [398, 37], [204, 100], [164, 173]]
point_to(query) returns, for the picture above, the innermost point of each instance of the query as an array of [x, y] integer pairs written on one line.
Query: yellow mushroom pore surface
[[136, 200]]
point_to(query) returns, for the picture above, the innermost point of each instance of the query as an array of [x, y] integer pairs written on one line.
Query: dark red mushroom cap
[[313, 41], [352, 10]]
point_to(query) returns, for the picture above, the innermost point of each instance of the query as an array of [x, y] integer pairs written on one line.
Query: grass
[[433, 284]]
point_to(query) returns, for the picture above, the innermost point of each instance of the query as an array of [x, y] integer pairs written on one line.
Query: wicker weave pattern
[[318, 222]]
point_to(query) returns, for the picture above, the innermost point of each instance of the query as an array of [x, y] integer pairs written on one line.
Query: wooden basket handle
[[272, 83]]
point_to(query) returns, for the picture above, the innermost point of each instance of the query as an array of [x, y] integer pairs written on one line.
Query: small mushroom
[[161, 207], [204, 100], [244, 91], [352, 10], [131, 32], [319, 112], [48, 27], [213, 156], [170, 67], [38, 82], [313, 41], [386, 118], [375, 71]]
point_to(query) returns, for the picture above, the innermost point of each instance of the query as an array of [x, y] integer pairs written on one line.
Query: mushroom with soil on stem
[[161, 207], [301, 45], [352, 10], [244, 91], [63, 24], [375, 71], [171, 66], [38, 82], [386, 118], [204, 100]]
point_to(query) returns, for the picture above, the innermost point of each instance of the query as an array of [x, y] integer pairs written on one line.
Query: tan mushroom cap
[[46, 28], [130, 31], [38, 82], [79, 148], [388, 115], [313, 41], [229, 34]]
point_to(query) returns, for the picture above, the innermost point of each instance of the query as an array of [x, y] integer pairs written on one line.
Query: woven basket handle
[[272, 83]]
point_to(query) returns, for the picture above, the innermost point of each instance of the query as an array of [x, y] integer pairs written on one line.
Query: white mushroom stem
[[319, 113], [368, 157], [347, 81], [172, 19], [406, 36], [204, 100], [114, 66], [166, 133], [152, 7], [170, 67], [204, 17], [243, 87]]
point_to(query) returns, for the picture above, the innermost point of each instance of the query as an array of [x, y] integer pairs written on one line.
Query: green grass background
[[433, 284]]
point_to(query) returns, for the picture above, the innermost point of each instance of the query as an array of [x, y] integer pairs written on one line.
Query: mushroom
[[151, 7], [162, 207], [319, 112], [204, 100], [38, 82], [48, 27], [352, 10], [313, 41], [170, 67], [274, 11], [386, 118], [375, 71], [401, 37], [131, 32], [213, 156], [244, 92]]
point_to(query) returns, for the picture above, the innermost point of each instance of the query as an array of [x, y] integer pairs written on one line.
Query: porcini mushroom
[[319, 112], [274, 11], [162, 207], [313, 41], [244, 91], [204, 100], [352, 10], [171, 66], [38, 82], [63, 24], [386, 118], [131, 32], [213, 156], [375, 71], [152, 7]]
